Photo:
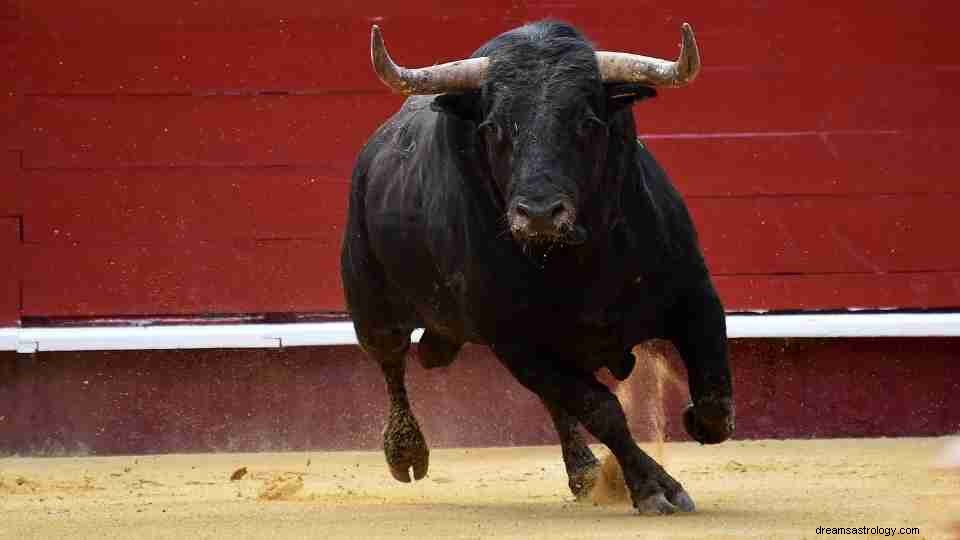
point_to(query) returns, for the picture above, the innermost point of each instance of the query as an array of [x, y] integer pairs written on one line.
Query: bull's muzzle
[[710, 422], [549, 220]]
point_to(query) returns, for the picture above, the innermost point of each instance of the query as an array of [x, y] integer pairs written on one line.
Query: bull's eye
[[491, 131], [591, 126]]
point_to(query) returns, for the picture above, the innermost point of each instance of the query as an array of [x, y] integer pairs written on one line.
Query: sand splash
[[652, 367], [281, 488]]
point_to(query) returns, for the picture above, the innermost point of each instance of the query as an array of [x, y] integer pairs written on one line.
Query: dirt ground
[[762, 489]]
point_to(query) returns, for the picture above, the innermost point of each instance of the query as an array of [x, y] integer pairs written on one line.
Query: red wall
[[125, 402], [191, 157]]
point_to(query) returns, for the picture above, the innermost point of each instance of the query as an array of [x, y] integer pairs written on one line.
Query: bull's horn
[[618, 67], [459, 76]]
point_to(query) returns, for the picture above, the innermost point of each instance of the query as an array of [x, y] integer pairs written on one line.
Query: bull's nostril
[[523, 210], [557, 210], [545, 218]]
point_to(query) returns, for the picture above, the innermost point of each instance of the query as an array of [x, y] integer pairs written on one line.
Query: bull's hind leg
[[582, 466], [653, 490], [403, 442]]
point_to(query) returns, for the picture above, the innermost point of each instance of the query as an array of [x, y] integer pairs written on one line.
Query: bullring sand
[[759, 489]]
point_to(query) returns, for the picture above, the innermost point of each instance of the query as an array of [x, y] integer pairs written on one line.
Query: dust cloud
[[656, 377]]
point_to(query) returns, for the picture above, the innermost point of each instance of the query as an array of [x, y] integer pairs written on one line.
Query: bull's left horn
[[618, 67], [459, 76]]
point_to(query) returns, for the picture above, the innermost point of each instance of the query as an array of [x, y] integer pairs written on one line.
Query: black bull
[[525, 215]]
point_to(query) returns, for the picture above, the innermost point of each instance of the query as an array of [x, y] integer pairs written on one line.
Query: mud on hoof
[[682, 501], [405, 448], [654, 505], [583, 480], [660, 504]]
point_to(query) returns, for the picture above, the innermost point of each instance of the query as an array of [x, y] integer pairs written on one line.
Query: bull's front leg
[[403, 444], [582, 466], [583, 397], [697, 328]]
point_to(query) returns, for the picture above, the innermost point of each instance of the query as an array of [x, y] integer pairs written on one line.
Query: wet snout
[[541, 219]]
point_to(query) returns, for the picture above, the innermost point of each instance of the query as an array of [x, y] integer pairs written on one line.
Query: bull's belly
[[493, 318], [500, 322]]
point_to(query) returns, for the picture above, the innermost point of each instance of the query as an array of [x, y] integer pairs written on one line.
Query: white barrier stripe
[[8, 339], [268, 336], [844, 325]]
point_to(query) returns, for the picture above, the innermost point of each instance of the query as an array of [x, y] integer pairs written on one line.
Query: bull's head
[[542, 108]]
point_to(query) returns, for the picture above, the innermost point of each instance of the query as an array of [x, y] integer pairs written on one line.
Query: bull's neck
[[459, 139]]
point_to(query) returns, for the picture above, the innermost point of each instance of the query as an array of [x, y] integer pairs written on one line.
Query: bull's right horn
[[459, 76]]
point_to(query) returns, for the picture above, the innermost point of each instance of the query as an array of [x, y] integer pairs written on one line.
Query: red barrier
[[799, 235], [183, 205], [192, 157], [10, 271], [168, 131], [917, 290], [253, 276], [334, 398], [811, 163]]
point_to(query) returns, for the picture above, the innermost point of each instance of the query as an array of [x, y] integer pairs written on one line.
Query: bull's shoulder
[[660, 221], [414, 115], [390, 155]]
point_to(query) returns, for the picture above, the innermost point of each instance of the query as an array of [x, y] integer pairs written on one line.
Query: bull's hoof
[[405, 448], [667, 497], [583, 480], [654, 505], [682, 501]]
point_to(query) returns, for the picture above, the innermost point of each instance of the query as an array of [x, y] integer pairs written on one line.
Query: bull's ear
[[621, 96], [463, 106]]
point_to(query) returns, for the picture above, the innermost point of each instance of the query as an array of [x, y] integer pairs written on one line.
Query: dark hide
[[428, 244]]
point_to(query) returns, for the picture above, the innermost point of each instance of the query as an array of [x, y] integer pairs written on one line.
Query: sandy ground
[[762, 489]]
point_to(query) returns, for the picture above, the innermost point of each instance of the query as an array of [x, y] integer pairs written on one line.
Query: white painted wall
[[29, 340]]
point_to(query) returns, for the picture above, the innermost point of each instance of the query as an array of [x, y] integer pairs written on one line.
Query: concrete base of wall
[[133, 402]]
